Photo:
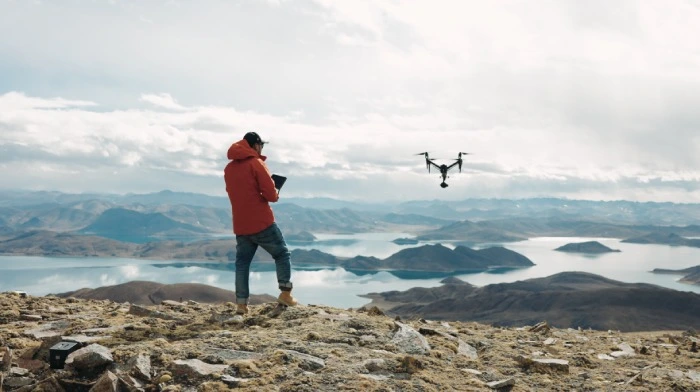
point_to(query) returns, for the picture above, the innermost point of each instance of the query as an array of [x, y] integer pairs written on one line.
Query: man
[[250, 189]]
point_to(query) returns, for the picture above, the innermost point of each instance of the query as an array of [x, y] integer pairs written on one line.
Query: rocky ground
[[206, 347]]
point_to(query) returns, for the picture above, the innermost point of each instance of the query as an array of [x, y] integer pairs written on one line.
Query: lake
[[338, 287]]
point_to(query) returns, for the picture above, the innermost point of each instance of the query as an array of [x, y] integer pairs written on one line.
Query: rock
[[549, 341], [15, 371], [48, 330], [625, 351], [375, 377], [542, 326], [501, 383], [84, 340], [409, 341], [50, 384], [306, 361], [140, 366], [232, 355], [233, 381], [605, 357], [694, 375], [142, 311], [6, 359], [107, 383], [31, 317], [543, 365], [194, 368], [17, 382], [467, 350], [173, 304], [89, 359], [374, 365]]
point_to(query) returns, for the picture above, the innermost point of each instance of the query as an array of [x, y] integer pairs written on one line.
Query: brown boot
[[286, 298], [241, 309]]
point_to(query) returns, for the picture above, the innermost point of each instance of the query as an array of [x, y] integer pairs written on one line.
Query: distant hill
[[691, 275], [133, 226], [415, 219], [49, 243], [586, 247], [568, 299], [517, 229], [664, 239], [152, 293], [293, 218]]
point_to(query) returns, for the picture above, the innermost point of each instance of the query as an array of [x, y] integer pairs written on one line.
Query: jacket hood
[[241, 150]]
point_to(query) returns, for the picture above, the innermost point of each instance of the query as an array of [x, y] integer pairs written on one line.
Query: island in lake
[[586, 247], [691, 275], [428, 258]]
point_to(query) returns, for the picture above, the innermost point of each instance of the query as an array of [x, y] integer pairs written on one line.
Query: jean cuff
[[241, 301], [286, 286]]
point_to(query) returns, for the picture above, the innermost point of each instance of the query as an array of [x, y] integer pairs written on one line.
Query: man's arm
[[264, 178]]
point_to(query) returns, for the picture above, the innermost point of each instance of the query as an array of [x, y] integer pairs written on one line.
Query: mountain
[[415, 219], [586, 247], [293, 218], [152, 293], [205, 347], [664, 239], [691, 275], [49, 243], [565, 300], [133, 226], [516, 229]]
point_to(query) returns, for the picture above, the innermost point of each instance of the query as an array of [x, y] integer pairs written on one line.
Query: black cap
[[253, 138]]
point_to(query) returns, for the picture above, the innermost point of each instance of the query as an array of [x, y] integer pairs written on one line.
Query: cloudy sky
[[580, 99]]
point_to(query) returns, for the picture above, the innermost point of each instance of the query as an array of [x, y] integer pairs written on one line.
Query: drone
[[444, 168]]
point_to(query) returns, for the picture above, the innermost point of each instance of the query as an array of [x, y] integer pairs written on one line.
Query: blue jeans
[[272, 241]]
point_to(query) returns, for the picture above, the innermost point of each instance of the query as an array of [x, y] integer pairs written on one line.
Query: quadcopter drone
[[444, 168]]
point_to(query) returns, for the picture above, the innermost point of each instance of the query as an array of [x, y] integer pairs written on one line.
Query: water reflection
[[339, 287]]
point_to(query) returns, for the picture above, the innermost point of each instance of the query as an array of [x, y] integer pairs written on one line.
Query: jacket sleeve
[[264, 179]]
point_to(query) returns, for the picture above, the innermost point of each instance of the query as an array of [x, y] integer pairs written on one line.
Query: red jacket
[[250, 189]]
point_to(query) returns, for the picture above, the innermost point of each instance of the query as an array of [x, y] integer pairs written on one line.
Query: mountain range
[[186, 216]]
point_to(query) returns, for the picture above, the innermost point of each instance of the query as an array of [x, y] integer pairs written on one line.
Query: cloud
[[137, 150], [596, 100], [162, 100]]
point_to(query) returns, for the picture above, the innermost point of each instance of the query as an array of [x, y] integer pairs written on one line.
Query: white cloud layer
[[583, 100]]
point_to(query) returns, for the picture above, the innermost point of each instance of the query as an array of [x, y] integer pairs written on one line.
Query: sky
[[594, 100]]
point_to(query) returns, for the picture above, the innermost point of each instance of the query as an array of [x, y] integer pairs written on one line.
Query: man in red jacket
[[250, 189]]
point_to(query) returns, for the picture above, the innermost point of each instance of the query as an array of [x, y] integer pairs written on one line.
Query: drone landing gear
[[444, 184]]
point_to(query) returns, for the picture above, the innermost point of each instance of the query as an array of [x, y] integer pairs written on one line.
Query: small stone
[[501, 383]]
